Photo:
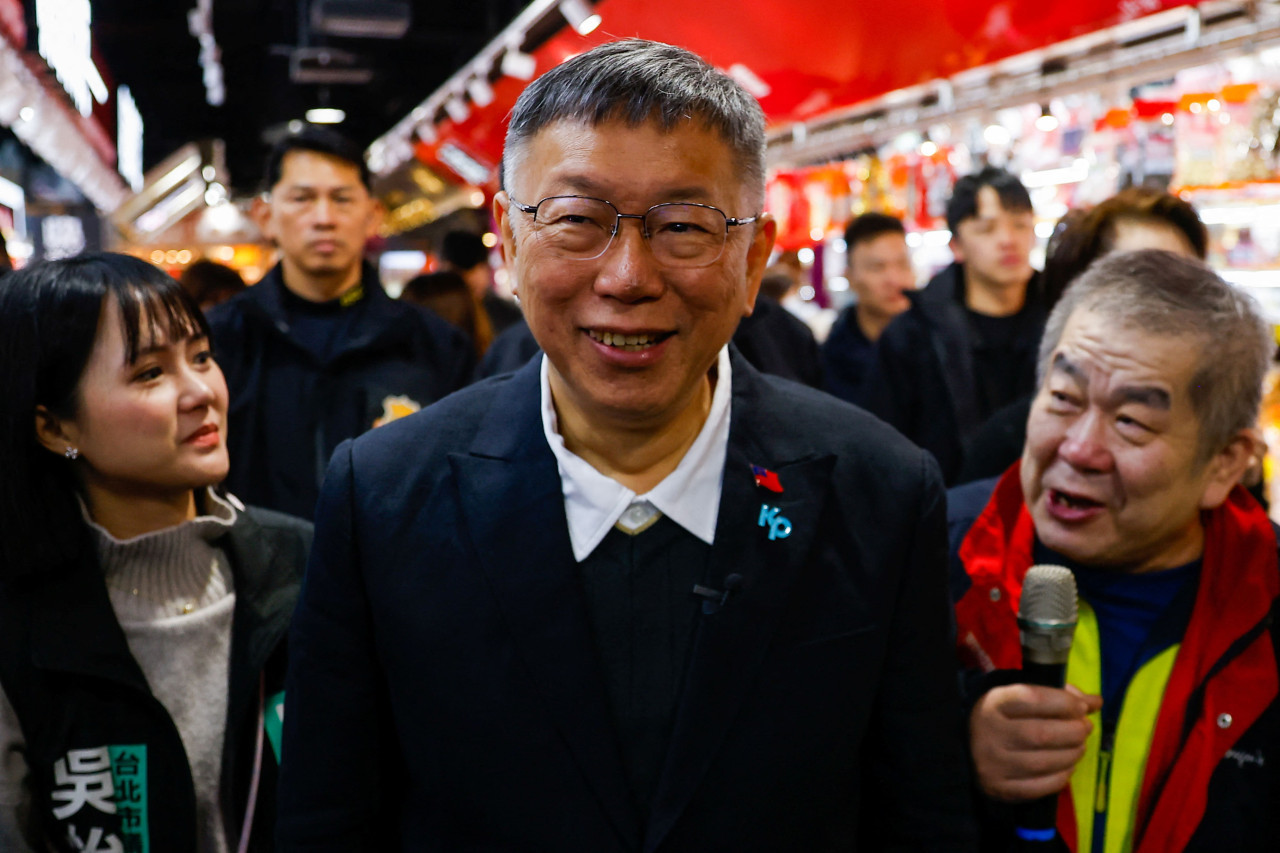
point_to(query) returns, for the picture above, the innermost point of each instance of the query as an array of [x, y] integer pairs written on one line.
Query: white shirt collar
[[689, 495]]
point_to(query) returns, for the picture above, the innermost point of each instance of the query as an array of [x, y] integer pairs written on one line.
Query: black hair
[[209, 282], [463, 250], [322, 141], [50, 317], [446, 294], [964, 197], [869, 226]]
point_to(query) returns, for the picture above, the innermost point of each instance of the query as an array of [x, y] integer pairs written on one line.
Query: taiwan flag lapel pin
[[766, 479]]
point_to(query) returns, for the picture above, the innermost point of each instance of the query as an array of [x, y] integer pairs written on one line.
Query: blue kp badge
[[779, 526]]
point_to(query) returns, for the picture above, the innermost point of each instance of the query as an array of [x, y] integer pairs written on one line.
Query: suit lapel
[[513, 508], [732, 642]]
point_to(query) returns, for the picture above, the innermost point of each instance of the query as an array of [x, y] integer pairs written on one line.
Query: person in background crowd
[[782, 282], [635, 596], [1132, 219], [142, 614], [967, 345], [316, 352], [1150, 376], [509, 351], [466, 254], [446, 293], [210, 283], [775, 341], [880, 275]]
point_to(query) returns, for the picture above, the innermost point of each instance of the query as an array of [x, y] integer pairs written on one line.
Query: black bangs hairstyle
[[49, 320]]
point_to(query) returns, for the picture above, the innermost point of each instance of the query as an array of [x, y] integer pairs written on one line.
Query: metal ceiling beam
[[1128, 55]]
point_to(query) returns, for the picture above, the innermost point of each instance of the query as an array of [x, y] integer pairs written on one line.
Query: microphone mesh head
[[1048, 595]]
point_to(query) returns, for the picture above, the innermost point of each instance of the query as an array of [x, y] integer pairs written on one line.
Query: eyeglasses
[[680, 234]]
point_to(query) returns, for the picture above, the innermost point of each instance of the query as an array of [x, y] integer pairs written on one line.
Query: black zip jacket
[[926, 385], [104, 756], [290, 409]]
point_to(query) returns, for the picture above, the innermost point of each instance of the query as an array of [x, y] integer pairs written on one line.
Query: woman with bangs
[[142, 613]]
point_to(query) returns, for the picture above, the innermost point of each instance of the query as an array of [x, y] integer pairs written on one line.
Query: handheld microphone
[[1047, 623]]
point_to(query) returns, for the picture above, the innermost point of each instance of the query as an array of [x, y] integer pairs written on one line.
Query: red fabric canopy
[[812, 56]]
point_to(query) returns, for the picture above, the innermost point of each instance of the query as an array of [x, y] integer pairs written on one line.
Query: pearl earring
[[71, 452]]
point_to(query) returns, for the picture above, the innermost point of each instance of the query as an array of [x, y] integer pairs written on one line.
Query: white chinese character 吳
[[83, 777]]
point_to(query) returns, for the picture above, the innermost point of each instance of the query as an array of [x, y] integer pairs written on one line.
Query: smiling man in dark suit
[[635, 596]]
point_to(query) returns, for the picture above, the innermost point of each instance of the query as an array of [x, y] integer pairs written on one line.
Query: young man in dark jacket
[[1164, 739], [880, 273], [316, 352], [967, 345]]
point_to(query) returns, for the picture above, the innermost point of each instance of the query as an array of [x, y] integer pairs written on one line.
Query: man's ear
[[52, 433], [506, 239], [766, 232], [260, 213], [1227, 467], [957, 249], [377, 214]]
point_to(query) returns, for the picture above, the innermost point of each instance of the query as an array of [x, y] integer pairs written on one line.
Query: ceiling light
[[427, 132], [457, 109], [520, 65], [579, 16], [480, 91], [996, 135], [26, 113], [326, 115], [384, 19], [1047, 121]]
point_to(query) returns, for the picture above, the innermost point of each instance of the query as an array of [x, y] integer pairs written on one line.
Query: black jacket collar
[[385, 321]]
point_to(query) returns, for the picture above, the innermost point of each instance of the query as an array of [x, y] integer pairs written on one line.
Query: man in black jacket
[[880, 273], [967, 345], [636, 596], [317, 352]]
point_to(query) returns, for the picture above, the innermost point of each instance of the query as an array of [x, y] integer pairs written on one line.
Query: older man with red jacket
[[1166, 735]]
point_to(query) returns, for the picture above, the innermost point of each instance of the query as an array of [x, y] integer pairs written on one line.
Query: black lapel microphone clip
[[714, 599]]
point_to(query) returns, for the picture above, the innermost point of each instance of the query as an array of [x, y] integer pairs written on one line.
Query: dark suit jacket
[[445, 693]]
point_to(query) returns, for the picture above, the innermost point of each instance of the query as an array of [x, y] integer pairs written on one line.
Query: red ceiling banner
[[803, 58]]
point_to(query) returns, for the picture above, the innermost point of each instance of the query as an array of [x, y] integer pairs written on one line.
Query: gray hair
[[1169, 295], [639, 81]]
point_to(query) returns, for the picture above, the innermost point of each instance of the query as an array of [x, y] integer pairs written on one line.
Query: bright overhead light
[[326, 115], [996, 134], [519, 65], [579, 16], [480, 91], [26, 113], [1047, 121], [457, 109], [427, 132]]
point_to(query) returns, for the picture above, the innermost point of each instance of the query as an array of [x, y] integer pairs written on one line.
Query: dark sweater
[[642, 612]]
